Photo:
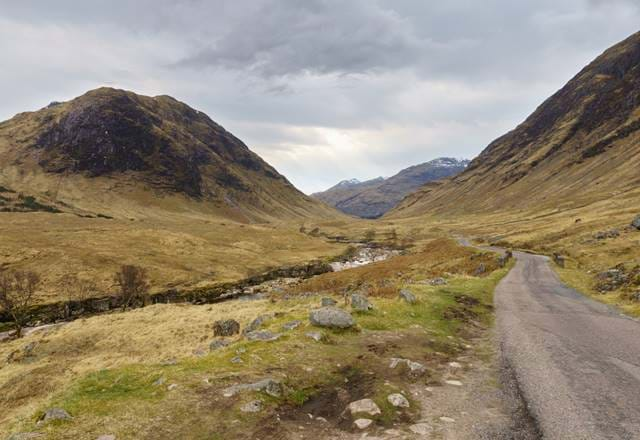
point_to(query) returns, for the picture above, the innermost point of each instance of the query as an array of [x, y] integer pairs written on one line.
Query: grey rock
[[269, 386], [636, 222], [363, 423], [256, 323], [252, 407], [226, 327], [291, 325], [438, 281], [364, 406], [218, 344], [236, 360], [480, 270], [331, 317], [170, 361], [408, 296], [55, 414], [360, 303], [263, 335], [316, 336], [398, 400], [414, 367], [160, 381], [602, 235], [326, 301]]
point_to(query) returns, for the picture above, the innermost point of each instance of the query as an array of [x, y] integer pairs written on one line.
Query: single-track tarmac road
[[575, 361]]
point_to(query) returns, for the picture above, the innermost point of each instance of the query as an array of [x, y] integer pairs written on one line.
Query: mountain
[[371, 199], [581, 146], [111, 151]]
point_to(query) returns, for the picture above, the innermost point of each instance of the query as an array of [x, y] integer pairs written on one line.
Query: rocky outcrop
[[331, 317]]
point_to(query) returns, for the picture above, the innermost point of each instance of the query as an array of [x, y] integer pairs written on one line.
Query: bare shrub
[[18, 295], [132, 283], [369, 235], [77, 289]]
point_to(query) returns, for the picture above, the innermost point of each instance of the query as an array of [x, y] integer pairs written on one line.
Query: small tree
[[369, 235], [17, 296], [77, 289], [132, 283]]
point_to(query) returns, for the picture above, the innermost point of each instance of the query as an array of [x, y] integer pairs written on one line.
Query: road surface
[[576, 361]]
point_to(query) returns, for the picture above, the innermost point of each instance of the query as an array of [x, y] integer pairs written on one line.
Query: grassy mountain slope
[[371, 199], [117, 153], [580, 145]]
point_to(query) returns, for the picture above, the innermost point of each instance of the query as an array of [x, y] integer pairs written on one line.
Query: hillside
[[372, 198], [111, 151], [580, 146]]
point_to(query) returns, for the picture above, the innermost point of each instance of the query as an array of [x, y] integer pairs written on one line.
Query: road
[[576, 361]]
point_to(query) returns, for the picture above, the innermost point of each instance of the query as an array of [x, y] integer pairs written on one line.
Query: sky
[[324, 90]]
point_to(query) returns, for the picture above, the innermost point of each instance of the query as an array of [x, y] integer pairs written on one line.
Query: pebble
[[172, 387], [455, 383], [363, 423], [398, 400]]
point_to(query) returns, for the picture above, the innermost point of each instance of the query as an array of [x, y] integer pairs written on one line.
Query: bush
[[133, 285], [18, 295]]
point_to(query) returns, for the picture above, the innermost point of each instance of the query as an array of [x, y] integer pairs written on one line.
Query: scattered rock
[[363, 423], [398, 400], [360, 303], [269, 386], [218, 344], [227, 327], [455, 383], [437, 281], [636, 222], [331, 317], [364, 406], [447, 419], [602, 235], [55, 414], [420, 429], [414, 367], [256, 323], [611, 279], [252, 407], [326, 302], [236, 360], [408, 296], [291, 325], [263, 335], [316, 336]]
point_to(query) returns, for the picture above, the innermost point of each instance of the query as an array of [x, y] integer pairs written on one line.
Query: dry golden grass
[[177, 251]]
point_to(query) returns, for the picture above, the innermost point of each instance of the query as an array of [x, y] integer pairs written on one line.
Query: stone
[[236, 360], [159, 381], [455, 365], [602, 235], [414, 367], [256, 323], [263, 335], [438, 281], [407, 296], [172, 387], [360, 303], [636, 222], [363, 423], [455, 383], [170, 361], [480, 270], [25, 436], [269, 386], [291, 325], [252, 407], [398, 400], [420, 429], [447, 419], [364, 406], [218, 344], [316, 336], [55, 414], [331, 317], [326, 301], [226, 327]]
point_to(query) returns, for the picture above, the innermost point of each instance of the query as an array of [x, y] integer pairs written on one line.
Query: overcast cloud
[[322, 89]]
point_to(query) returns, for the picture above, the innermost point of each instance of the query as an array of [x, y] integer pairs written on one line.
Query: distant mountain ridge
[[579, 146], [113, 147], [373, 198]]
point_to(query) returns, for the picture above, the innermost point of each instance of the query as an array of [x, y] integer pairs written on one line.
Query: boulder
[[407, 296], [326, 301], [252, 407], [360, 303], [226, 327], [256, 323], [363, 423], [291, 325], [263, 335], [364, 406], [269, 386], [331, 317], [218, 344], [636, 222], [398, 400], [55, 414]]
